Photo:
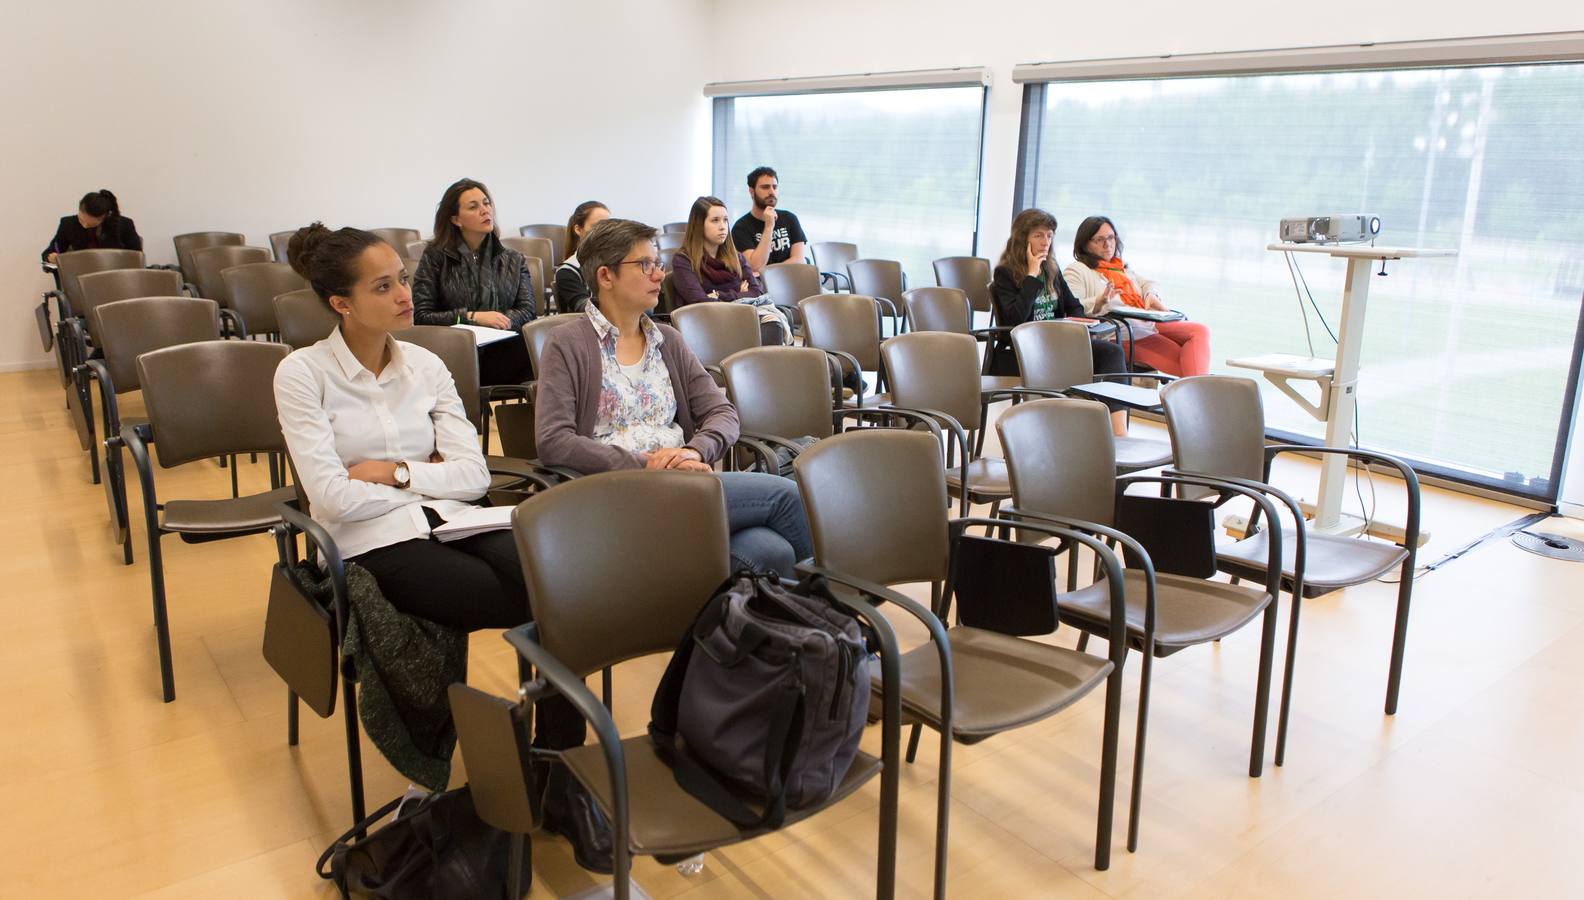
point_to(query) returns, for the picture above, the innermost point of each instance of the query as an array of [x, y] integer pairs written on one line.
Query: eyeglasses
[[647, 265]]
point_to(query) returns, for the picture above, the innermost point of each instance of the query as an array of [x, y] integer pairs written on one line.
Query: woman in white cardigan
[[1102, 281]]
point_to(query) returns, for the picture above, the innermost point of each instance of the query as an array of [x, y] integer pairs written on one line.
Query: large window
[[894, 171], [1465, 360]]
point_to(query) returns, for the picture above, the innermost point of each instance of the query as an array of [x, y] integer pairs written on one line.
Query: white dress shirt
[[336, 413]]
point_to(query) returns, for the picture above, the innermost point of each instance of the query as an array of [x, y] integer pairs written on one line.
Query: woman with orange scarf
[[1102, 281]]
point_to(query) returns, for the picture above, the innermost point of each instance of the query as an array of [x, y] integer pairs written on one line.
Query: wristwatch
[[403, 477]]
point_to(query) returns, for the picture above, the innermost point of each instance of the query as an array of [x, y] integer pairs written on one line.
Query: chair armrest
[[776, 442], [1013, 393], [505, 391], [1260, 494], [63, 308], [136, 438], [321, 541], [96, 370], [72, 339], [238, 327], [993, 331], [843, 359], [190, 289], [169, 267], [1153, 376], [926, 617], [1081, 532], [836, 279], [1409, 476], [556, 676], [524, 470], [768, 461]]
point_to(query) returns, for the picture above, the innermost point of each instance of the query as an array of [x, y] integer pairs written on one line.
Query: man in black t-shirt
[[767, 235]]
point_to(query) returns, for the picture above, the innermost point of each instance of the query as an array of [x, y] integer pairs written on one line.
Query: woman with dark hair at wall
[[98, 225], [1103, 282], [709, 267], [384, 452], [467, 276], [571, 290], [1028, 287]]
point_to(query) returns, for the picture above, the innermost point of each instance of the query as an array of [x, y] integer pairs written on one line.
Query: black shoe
[[570, 812]]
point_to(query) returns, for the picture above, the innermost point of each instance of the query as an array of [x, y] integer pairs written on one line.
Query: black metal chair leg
[[1287, 681], [913, 742], [514, 869], [233, 461], [156, 564], [1262, 692], [1135, 799], [605, 686], [1399, 636], [291, 717], [1083, 641], [354, 749], [1108, 758], [942, 813]]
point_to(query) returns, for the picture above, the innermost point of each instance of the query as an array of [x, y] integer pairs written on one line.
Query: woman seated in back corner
[[98, 225], [621, 391], [571, 291], [1103, 282], [1028, 287], [468, 276], [709, 267], [384, 452]]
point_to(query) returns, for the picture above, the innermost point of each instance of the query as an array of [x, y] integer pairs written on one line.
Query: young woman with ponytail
[[98, 225]]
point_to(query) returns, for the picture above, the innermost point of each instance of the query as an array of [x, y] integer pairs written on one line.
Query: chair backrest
[[536, 277], [137, 326], [98, 288], [537, 333], [415, 249], [935, 370], [302, 318], [788, 282], [458, 349], [969, 274], [833, 256], [849, 323], [1061, 458], [876, 278], [781, 391], [1217, 426], [670, 530], [212, 398], [279, 241], [714, 331], [398, 238], [77, 263], [539, 248], [253, 288], [938, 309], [876, 503], [187, 243], [1053, 356], [667, 302], [555, 233], [668, 242], [673, 227], [209, 262]]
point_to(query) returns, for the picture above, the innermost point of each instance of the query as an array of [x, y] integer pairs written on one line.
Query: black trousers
[[470, 584]]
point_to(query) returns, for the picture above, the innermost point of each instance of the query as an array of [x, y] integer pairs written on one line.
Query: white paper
[[483, 335], [475, 521]]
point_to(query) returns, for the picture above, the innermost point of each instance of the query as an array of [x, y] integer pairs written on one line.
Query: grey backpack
[[765, 699]]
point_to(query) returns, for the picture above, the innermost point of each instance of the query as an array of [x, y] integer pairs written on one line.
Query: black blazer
[[119, 234], [1014, 296], [443, 288]]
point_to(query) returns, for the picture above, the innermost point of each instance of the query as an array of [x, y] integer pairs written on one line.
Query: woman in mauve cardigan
[[618, 390]]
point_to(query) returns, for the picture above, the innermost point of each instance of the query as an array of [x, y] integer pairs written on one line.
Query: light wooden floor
[[1472, 790]]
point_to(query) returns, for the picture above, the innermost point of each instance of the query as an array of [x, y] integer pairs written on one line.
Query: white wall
[[258, 117], [839, 37]]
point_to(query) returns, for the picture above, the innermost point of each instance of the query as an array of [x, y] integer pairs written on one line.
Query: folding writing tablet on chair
[[1005, 586], [300, 639], [1179, 535]]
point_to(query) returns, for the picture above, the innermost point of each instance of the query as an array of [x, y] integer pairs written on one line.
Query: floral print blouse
[[637, 405]]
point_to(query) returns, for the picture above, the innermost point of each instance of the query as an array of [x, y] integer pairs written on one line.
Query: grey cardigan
[[566, 407]]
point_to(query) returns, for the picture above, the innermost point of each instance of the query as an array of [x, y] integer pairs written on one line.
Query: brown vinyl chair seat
[[987, 478], [1188, 611], [1001, 682], [1331, 562], [255, 512], [999, 382], [665, 819], [1133, 454]]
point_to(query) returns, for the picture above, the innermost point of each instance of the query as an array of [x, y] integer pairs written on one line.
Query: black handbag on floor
[[437, 847]]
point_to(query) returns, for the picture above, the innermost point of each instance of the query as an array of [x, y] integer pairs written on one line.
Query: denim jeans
[[769, 530]]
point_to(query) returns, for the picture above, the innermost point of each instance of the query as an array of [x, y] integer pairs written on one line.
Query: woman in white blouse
[[384, 452]]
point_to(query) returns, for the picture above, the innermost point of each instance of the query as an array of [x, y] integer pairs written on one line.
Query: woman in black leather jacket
[[467, 276]]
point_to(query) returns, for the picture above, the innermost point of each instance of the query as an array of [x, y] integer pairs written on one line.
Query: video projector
[[1329, 229]]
